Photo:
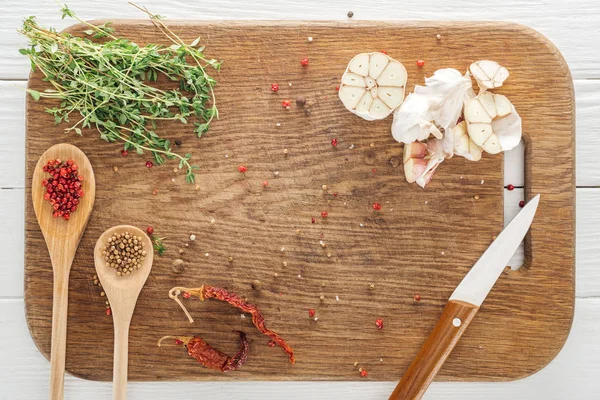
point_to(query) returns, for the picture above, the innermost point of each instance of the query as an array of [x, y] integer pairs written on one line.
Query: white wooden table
[[572, 25]]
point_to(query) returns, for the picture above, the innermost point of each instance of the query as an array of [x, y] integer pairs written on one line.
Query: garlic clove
[[414, 168], [392, 96], [464, 146], [475, 112], [503, 105], [379, 109], [504, 130], [488, 74], [479, 132], [421, 160], [394, 74], [487, 101], [414, 150], [360, 64], [352, 79], [377, 64], [492, 145], [364, 103], [370, 82], [351, 95], [373, 85]]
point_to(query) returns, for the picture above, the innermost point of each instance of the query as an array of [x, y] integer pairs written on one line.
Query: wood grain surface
[[422, 241]]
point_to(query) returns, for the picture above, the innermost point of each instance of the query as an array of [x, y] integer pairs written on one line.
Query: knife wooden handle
[[454, 320]]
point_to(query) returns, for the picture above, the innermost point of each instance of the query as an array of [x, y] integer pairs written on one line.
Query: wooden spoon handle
[[60, 304], [454, 321], [120, 359]]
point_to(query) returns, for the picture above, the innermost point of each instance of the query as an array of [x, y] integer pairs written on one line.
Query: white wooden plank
[[572, 375], [12, 134], [571, 25], [587, 97], [588, 243], [12, 237]]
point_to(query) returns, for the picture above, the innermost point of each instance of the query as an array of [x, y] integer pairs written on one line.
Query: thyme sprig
[[107, 84], [157, 243]]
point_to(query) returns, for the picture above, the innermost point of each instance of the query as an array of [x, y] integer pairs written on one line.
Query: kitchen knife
[[462, 306]]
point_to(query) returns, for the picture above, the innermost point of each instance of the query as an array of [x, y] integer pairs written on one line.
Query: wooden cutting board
[[421, 242]]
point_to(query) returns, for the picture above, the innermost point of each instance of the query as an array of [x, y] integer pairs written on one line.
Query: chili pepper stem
[[176, 291], [184, 339]]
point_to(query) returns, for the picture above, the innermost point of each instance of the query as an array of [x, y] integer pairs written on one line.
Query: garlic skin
[[464, 146], [421, 160], [413, 120], [373, 85], [492, 122], [488, 74], [446, 90]]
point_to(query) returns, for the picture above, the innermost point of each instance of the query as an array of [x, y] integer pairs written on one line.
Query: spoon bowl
[[62, 238], [122, 293]]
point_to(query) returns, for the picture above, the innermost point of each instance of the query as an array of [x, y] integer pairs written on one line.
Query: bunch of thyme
[[107, 84]]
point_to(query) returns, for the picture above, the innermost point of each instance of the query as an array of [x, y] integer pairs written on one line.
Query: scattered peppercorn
[[242, 168], [363, 372], [420, 63], [300, 102], [337, 88], [324, 214], [63, 187], [285, 104], [379, 323], [124, 153], [265, 184], [150, 230], [274, 87], [311, 313], [124, 252], [186, 295], [304, 62], [178, 142], [271, 343], [511, 187], [108, 312], [313, 220], [334, 142], [149, 164], [376, 206], [350, 14], [371, 286], [256, 284], [417, 297], [522, 203]]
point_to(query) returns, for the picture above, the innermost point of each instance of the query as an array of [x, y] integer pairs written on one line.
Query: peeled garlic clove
[[463, 145], [502, 132], [488, 74], [414, 168], [373, 85]]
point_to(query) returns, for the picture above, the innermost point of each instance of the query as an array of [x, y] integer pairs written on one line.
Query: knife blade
[[463, 305]]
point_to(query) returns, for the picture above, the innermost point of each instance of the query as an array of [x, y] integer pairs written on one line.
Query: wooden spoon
[[62, 238], [122, 293]]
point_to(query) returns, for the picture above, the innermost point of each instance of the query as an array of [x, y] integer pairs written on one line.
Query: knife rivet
[[456, 322]]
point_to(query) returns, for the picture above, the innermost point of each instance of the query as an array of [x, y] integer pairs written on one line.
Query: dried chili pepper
[[207, 292], [210, 357]]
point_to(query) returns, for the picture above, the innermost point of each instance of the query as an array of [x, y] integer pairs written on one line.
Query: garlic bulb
[[463, 145], [492, 122], [413, 120], [421, 160], [488, 74], [373, 85]]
